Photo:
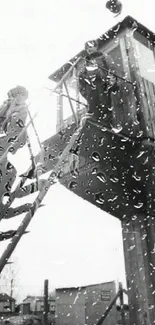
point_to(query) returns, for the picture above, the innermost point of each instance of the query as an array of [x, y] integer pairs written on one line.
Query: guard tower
[[116, 167], [131, 47], [113, 168]]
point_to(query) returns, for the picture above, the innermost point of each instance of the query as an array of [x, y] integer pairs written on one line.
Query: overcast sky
[[70, 242]]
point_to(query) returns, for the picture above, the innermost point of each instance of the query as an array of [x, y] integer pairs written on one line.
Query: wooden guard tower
[[113, 168], [116, 167]]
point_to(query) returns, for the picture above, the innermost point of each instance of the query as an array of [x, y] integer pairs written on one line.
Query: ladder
[[42, 185]]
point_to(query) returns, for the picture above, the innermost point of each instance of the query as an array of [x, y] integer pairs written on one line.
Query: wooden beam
[[121, 297], [46, 309], [71, 98], [138, 243], [59, 121], [71, 105], [107, 311]]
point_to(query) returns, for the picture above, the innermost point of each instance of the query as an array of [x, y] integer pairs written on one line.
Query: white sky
[[71, 242]]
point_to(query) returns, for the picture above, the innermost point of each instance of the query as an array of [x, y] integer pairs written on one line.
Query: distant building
[[35, 304], [7, 303], [85, 305]]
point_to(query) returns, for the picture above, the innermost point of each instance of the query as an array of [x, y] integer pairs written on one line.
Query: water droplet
[[117, 129], [87, 192], [117, 28], [104, 129], [146, 161], [136, 190], [134, 217], [20, 123], [114, 179], [12, 140], [106, 35], [138, 205], [51, 157], [94, 171], [139, 134], [101, 142], [60, 174], [96, 156], [122, 148], [140, 154], [5, 198], [75, 173], [144, 237], [137, 178], [9, 167], [104, 116], [131, 248], [11, 149], [99, 198], [136, 122], [101, 177], [113, 199], [72, 185]]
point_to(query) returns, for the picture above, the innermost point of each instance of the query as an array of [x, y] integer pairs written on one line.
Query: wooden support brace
[[71, 105], [106, 313], [71, 98]]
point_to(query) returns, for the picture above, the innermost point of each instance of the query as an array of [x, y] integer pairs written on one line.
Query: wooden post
[[138, 240], [77, 93], [45, 318], [71, 105], [11, 294], [122, 304], [59, 123]]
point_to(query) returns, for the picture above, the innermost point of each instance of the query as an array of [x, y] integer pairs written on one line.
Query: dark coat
[[94, 85]]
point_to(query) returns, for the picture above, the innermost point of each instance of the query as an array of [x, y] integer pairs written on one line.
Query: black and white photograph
[[77, 162]]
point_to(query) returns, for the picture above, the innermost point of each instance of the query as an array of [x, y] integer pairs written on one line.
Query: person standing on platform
[[97, 82]]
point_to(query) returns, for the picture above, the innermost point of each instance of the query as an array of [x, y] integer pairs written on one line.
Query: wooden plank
[[118, 107], [77, 93], [151, 88], [130, 90], [139, 285], [59, 122], [71, 104], [142, 104], [148, 122], [149, 101], [120, 100]]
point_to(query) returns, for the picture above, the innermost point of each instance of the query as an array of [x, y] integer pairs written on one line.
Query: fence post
[[122, 303], [45, 317]]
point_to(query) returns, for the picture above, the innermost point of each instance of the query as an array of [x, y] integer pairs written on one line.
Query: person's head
[[19, 92], [91, 46]]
